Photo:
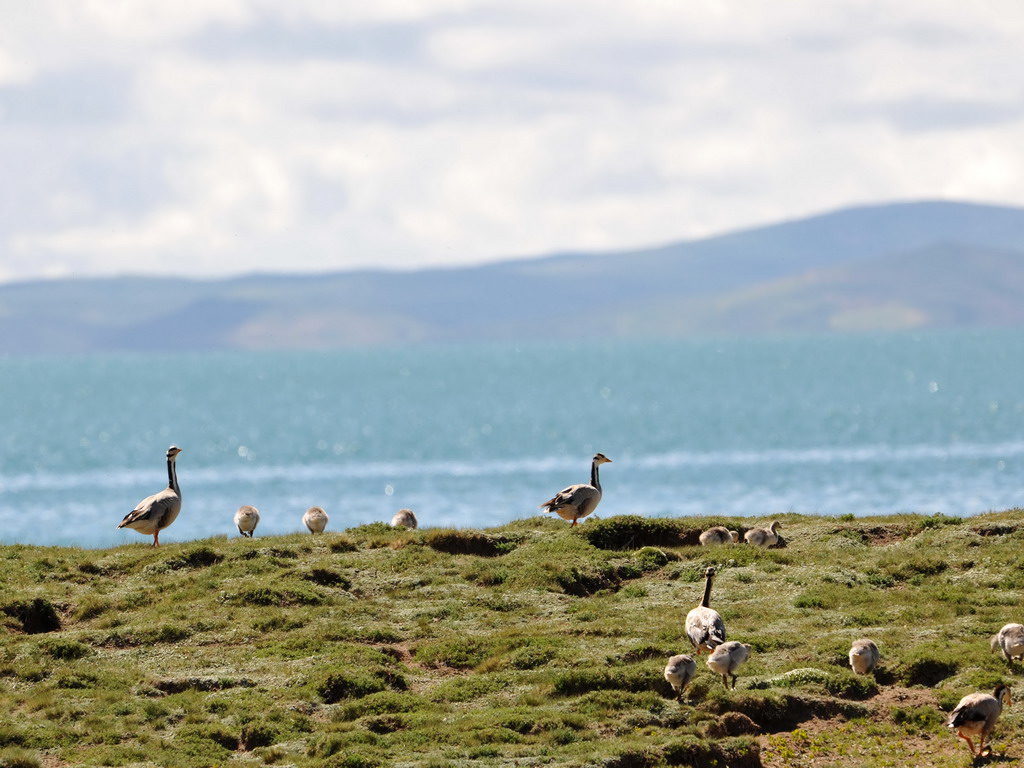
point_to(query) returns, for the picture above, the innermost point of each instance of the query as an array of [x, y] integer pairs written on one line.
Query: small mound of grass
[[19, 758], [626, 532], [836, 683], [457, 653], [740, 752], [200, 557], [333, 687], [64, 649], [36, 616], [458, 542], [633, 679], [272, 595], [327, 578]]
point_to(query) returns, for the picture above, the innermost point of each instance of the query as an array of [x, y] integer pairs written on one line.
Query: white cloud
[[216, 136]]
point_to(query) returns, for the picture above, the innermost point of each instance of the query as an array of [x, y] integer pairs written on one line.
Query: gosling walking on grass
[[156, 512], [727, 658], [864, 656], [1009, 641], [679, 672], [246, 519], [315, 519]]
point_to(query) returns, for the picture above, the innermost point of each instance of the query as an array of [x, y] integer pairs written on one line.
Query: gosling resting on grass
[[864, 656], [763, 537], [976, 716], [704, 626], [404, 518], [577, 501], [718, 535], [315, 519], [246, 519], [1009, 641], [679, 672], [727, 658], [156, 512]]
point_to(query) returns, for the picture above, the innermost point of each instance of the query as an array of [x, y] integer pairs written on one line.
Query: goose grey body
[[727, 658], [577, 501], [718, 535], [704, 626], [315, 519], [156, 512], [679, 672], [763, 537], [404, 518], [1010, 641], [246, 519], [976, 716], [864, 656]]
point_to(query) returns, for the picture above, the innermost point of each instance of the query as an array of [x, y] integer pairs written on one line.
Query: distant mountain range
[[886, 267]]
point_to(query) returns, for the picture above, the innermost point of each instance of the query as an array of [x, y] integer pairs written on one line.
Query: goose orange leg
[[970, 744]]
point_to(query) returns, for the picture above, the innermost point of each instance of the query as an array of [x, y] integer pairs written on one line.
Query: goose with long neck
[[704, 625], [156, 512], [577, 501], [976, 716]]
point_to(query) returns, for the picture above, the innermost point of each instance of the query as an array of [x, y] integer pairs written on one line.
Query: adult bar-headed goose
[[577, 501], [704, 626], [976, 715], [156, 512]]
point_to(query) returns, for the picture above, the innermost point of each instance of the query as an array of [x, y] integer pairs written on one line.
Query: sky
[[206, 138]]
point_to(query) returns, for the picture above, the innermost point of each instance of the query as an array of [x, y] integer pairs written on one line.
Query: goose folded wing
[[572, 496], [151, 508]]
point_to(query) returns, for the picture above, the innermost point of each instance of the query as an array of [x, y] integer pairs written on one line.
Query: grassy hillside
[[530, 644]]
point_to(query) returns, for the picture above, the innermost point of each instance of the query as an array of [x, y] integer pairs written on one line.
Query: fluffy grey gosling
[[1009, 641], [727, 658], [315, 519], [404, 518], [763, 537], [864, 656], [246, 520], [679, 672], [718, 535]]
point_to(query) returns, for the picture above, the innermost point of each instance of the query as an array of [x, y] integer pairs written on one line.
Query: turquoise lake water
[[480, 435]]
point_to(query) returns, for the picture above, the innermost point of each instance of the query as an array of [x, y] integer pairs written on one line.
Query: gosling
[[315, 519], [864, 656], [718, 535], [679, 672], [727, 658], [246, 519], [1010, 642], [763, 537], [404, 518]]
